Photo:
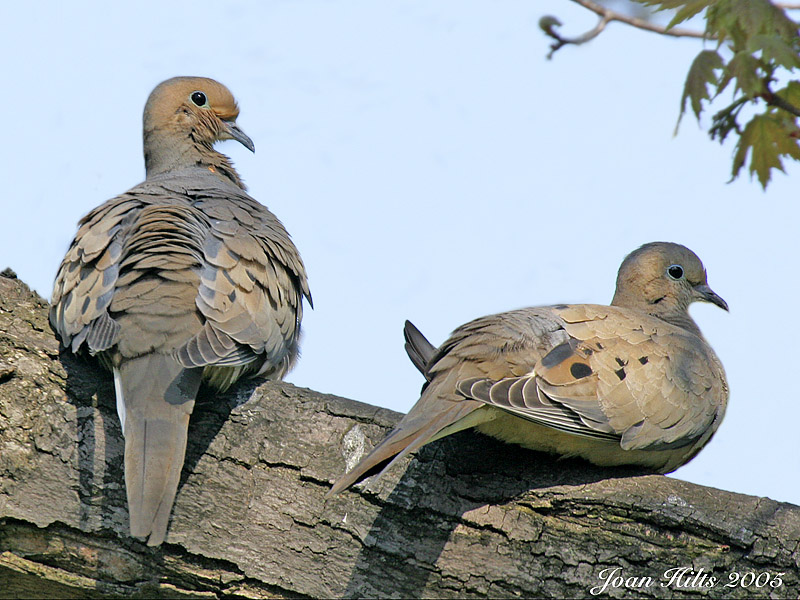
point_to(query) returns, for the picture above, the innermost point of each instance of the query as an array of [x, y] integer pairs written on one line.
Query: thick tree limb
[[468, 517]]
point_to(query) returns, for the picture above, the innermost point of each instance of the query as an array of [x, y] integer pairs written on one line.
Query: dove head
[[183, 118], [663, 279]]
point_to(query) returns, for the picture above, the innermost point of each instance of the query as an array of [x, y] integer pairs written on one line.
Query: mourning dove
[[182, 279], [634, 383]]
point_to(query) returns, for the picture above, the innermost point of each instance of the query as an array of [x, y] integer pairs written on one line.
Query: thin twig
[[613, 15], [787, 6], [607, 15], [548, 25]]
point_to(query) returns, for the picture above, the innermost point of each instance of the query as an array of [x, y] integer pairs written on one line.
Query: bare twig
[[787, 6], [548, 25]]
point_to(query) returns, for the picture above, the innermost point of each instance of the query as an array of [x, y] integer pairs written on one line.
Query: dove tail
[[399, 443], [429, 420], [155, 397], [418, 348]]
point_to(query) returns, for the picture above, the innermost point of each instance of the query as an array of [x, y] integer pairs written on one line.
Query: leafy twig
[[724, 121], [775, 100]]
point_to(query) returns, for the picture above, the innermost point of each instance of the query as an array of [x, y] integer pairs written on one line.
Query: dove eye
[[675, 271], [199, 98]]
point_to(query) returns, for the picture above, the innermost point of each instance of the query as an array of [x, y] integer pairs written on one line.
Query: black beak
[[240, 136], [706, 294]]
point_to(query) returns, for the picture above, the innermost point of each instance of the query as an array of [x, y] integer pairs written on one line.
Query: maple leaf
[[701, 73], [791, 93], [686, 9], [743, 67], [765, 139], [742, 20], [774, 49]]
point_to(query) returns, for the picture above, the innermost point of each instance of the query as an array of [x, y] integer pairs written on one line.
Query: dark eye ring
[[199, 98], [675, 271]]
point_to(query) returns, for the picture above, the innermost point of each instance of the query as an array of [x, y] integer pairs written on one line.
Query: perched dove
[[182, 279], [632, 383]]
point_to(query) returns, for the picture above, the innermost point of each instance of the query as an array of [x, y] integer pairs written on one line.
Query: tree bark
[[467, 517]]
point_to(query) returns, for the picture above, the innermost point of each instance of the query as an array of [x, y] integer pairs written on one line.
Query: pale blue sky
[[430, 164]]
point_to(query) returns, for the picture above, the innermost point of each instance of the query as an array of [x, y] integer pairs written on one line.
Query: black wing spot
[[643, 360], [557, 355], [621, 374], [580, 370], [621, 362]]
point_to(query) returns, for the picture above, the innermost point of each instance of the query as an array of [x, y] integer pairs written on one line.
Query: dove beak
[[232, 129], [706, 294]]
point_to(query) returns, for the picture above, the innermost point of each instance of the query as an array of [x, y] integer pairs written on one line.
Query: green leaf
[[753, 16], [741, 20], [791, 93], [722, 23], [686, 9], [743, 67], [725, 120], [701, 73], [689, 10], [766, 139], [762, 17], [774, 49]]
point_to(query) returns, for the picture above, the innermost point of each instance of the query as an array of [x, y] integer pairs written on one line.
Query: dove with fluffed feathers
[[182, 279], [634, 383]]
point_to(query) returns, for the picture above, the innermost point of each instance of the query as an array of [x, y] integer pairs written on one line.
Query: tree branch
[[467, 517], [549, 23]]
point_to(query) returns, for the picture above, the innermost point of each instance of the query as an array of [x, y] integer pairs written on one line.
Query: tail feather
[[431, 418], [417, 428], [418, 348], [157, 399]]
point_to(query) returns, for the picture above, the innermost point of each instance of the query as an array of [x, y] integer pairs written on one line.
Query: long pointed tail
[[430, 419], [155, 397], [418, 348]]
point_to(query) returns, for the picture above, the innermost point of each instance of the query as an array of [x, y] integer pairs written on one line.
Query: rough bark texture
[[468, 517]]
